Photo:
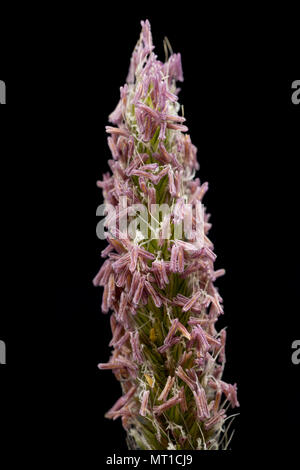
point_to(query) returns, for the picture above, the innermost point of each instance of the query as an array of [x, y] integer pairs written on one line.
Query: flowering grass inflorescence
[[167, 353]]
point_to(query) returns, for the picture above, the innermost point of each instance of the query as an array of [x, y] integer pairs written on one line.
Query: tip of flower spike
[[146, 34], [142, 49]]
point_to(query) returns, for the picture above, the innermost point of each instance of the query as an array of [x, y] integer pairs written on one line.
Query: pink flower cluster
[[167, 353]]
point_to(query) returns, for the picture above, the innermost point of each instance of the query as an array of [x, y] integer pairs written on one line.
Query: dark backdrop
[[241, 118]]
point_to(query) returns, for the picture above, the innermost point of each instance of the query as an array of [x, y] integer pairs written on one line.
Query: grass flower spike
[[159, 274]]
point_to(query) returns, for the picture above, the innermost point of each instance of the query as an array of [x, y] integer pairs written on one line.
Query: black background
[[241, 118]]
